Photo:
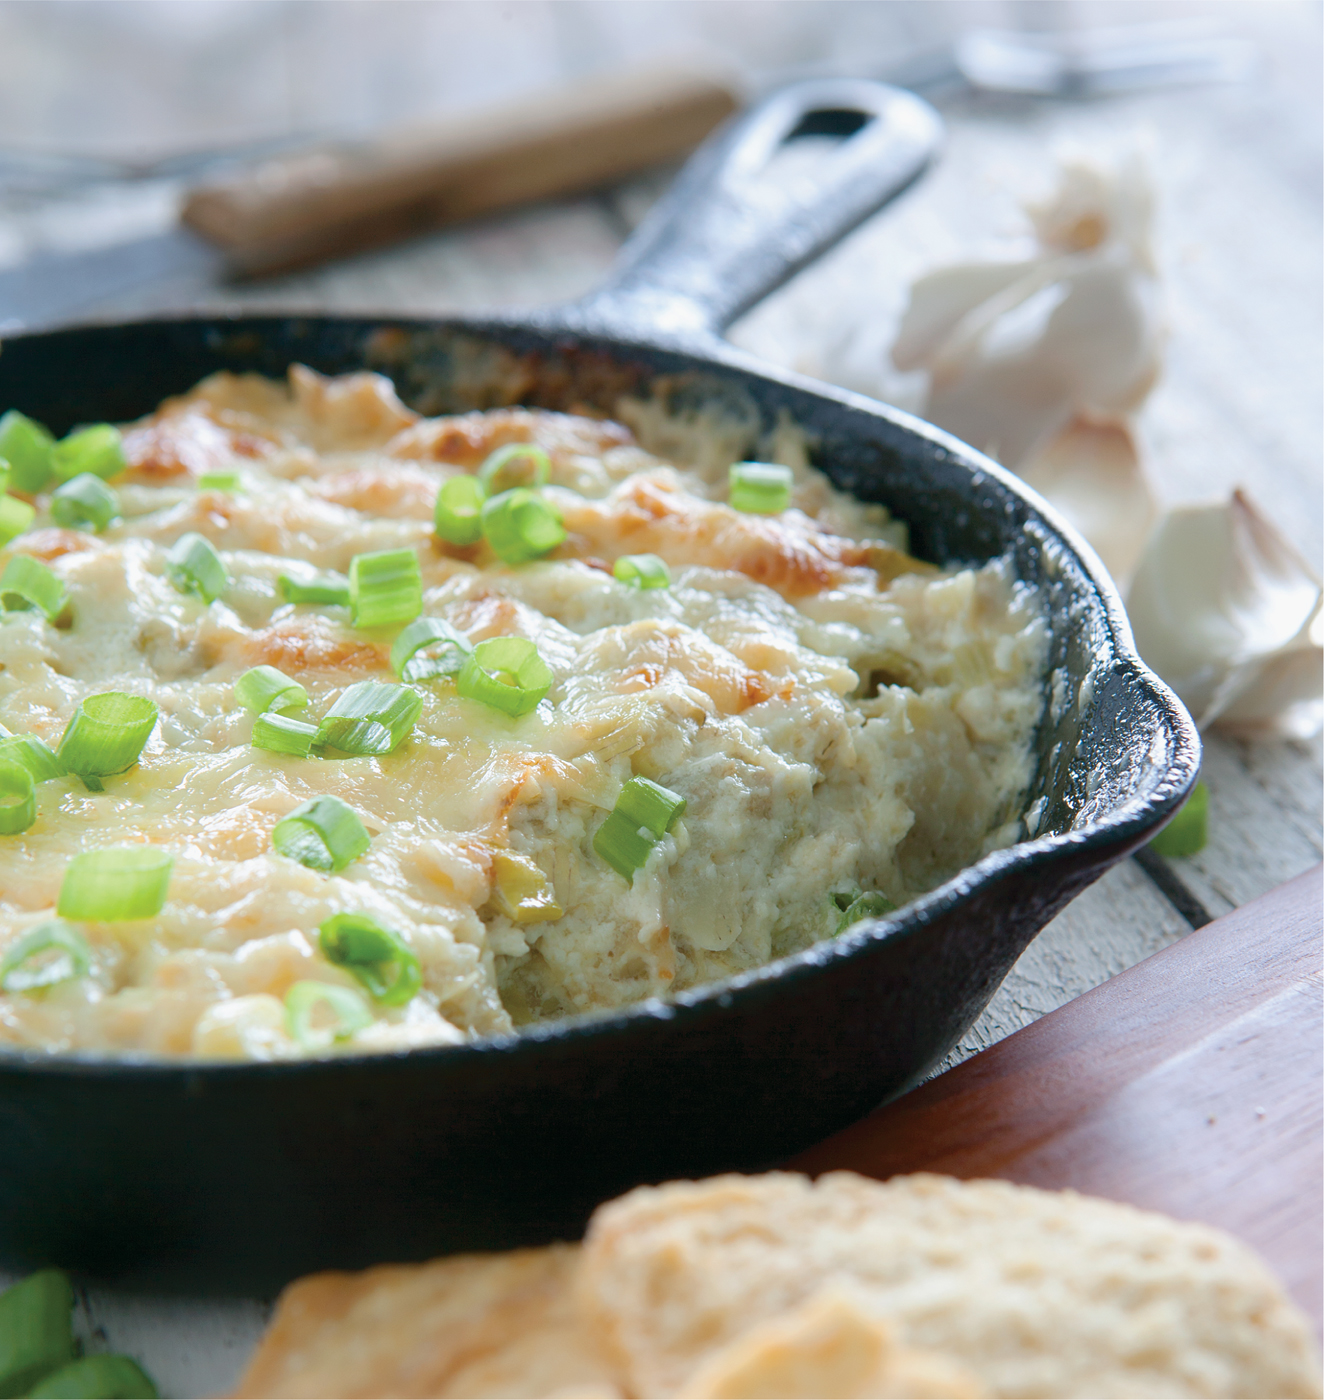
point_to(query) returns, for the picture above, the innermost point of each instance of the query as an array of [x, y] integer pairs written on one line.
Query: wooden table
[[1237, 172]]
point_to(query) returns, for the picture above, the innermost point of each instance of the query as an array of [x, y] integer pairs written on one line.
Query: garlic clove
[[1015, 350], [1082, 338], [1091, 472], [1286, 698], [942, 300], [1092, 205], [1227, 612]]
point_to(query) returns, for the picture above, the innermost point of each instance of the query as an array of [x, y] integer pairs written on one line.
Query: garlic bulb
[[1228, 613], [1014, 351]]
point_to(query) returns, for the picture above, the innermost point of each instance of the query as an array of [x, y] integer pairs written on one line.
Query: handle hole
[[840, 122]]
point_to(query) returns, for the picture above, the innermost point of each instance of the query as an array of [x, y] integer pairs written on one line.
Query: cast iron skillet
[[216, 1177]]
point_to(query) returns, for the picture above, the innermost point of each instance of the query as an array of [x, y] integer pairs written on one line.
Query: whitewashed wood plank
[[1264, 820]]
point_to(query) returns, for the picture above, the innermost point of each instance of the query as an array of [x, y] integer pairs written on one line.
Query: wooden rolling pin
[[301, 208]]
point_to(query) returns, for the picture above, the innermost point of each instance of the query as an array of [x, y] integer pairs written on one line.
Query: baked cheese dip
[[331, 728]]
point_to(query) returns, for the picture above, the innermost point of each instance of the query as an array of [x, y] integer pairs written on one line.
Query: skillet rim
[[1124, 827]]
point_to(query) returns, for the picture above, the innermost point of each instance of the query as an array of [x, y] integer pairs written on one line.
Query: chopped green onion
[[265, 688], [444, 650], [371, 717], [642, 571], [219, 481], [33, 754], [36, 1329], [763, 488], [106, 1377], [1188, 831], [623, 846], [107, 734], [115, 882], [506, 673], [18, 798], [193, 566], [27, 583], [84, 503], [97, 449], [379, 958], [281, 734], [645, 811], [385, 588], [26, 445], [305, 999], [873, 905], [520, 525], [458, 518], [518, 464], [646, 803], [28, 965], [323, 833], [16, 518], [314, 587]]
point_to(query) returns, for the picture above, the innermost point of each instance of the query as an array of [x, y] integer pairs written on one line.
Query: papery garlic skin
[[1228, 613], [1016, 350], [1091, 472]]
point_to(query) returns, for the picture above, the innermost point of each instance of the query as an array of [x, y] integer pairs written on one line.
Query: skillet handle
[[729, 231]]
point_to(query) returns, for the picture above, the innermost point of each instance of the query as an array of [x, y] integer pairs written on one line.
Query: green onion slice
[[265, 688], [115, 882], [458, 518], [323, 833], [97, 449], [84, 502], [347, 1010], [16, 518], [624, 846], [642, 571], [107, 1377], [33, 754], [520, 525], [645, 811], [371, 717], [1188, 831], [18, 798], [281, 734], [428, 648], [107, 734], [193, 566], [518, 464], [506, 673], [645, 803], [27, 583], [219, 481], [314, 587], [50, 953], [36, 1329], [873, 905], [763, 488], [385, 588], [26, 445], [378, 957]]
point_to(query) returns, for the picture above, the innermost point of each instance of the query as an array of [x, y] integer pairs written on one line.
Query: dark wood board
[[1192, 1083]]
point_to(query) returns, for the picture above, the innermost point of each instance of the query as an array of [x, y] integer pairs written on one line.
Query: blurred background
[[111, 108]]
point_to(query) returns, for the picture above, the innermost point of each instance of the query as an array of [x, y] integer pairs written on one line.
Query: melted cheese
[[834, 714]]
